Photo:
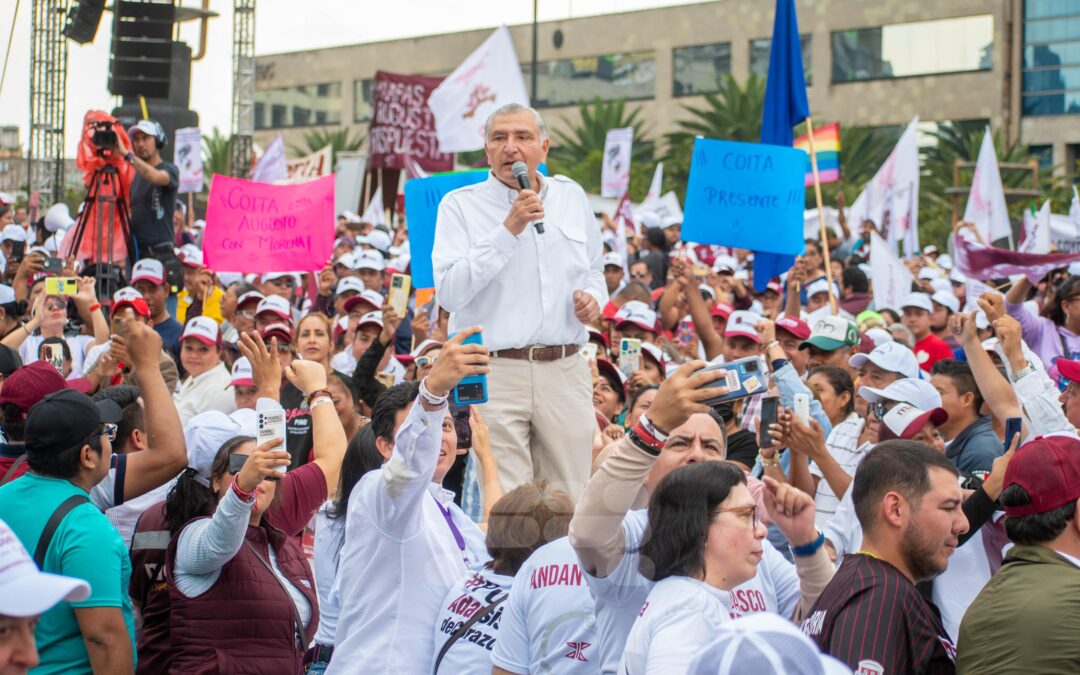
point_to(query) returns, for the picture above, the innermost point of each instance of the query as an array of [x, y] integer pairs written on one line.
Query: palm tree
[[579, 151], [338, 140], [216, 155]]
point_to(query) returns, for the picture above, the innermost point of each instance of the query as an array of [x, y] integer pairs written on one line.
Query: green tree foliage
[[338, 139], [216, 155]]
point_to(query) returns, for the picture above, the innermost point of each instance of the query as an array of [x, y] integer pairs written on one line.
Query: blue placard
[[746, 195], [422, 197]]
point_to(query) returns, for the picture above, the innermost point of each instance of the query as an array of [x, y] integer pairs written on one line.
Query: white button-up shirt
[[519, 288], [400, 557]]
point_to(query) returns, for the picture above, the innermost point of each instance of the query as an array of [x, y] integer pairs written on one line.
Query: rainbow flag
[[827, 146]]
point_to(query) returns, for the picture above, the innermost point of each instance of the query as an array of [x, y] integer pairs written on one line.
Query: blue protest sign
[[745, 195], [422, 197]]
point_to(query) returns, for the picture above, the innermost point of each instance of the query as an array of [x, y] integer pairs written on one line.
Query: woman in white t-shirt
[[703, 540], [522, 521], [48, 319]]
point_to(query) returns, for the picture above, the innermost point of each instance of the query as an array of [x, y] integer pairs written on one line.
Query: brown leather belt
[[541, 353]]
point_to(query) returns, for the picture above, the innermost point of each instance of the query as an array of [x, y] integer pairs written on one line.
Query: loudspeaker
[[83, 20], [141, 61]]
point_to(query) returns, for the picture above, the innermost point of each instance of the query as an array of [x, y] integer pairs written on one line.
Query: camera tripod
[[107, 204]]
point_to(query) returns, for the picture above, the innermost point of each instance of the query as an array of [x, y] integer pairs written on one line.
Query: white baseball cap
[[7, 294], [425, 346], [944, 261], [368, 260], [613, 259], [149, 269], [889, 356], [947, 299], [204, 434], [725, 263], [928, 249], [372, 299], [376, 238], [241, 373], [276, 304], [273, 276], [13, 233], [370, 319], [878, 336], [958, 277], [741, 323], [763, 643], [929, 273], [346, 284], [919, 393], [917, 300], [637, 313], [24, 589], [706, 289], [203, 329], [58, 217], [250, 296], [821, 286], [832, 332], [941, 285], [651, 220], [191, 255], [905, 420]]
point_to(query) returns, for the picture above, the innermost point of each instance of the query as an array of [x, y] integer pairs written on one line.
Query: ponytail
[[187, 500]]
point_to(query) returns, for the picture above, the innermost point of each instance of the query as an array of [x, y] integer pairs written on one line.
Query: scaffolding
[[243, 111], [48, 89]]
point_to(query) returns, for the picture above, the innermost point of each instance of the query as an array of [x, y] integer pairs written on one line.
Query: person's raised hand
[[143, 346], [1010, 335], [993, 483], [792, 510], [527, 208], [37, 313], [456, 362], [962, 327], [481, 435], [327, 279], [390, 321], [840, 201], [86, 293], [586, 308], [809, 440], [306, 375], [265, 366], [262, 464], [613, 432], [31, 264], [682, 394], [682, 273], [766, 330], [421, 326], [204, 283], [993, 304]]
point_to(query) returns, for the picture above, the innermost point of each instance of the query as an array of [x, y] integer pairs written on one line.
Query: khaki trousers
[[541, 421]]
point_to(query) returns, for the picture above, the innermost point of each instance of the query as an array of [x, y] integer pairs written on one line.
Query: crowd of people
[[891, 489]]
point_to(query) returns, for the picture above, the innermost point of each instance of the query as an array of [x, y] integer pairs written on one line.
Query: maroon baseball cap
[[29, 384], [1070, 370], [1048, 468], [794, 325]]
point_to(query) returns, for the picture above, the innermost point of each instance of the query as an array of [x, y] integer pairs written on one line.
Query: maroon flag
[[623, 214], [986, 262], [402, 126]]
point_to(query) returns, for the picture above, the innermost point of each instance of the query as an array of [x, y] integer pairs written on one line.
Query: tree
[[216, 155], [862, 152], [579, 152], [338, 140]]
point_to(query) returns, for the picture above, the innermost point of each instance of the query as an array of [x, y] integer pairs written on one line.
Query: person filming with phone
[[523, 257]]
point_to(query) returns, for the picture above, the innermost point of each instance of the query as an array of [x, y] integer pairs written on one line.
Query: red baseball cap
[[29, 384], [1070, 370], [794, 325], [129, 297], [721, 309], [1048, 468], [610, 310]]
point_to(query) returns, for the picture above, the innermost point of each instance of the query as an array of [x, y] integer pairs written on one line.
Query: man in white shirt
[[406, 543], [533, 292]]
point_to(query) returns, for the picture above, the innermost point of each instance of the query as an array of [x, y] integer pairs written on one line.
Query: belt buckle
[[530, 349]]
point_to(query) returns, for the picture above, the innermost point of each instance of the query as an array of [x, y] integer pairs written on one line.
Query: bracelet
[[94, 307], [322, 400], [652, 429], [769, 461], [243, 494], [774, 343], [316, 394], [432, 400], [811, 548], [648, 446]]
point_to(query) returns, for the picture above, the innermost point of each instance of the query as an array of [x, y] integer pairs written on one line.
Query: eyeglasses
[[109, 431], [748, 513], [425, 361], [284, 348], [638, 275], [236, 462], [880, 408], [55, 304], [283, 281], [245, 314]]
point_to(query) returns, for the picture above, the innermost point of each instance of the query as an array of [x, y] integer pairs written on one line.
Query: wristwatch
[[129, 156], [1029, 368]]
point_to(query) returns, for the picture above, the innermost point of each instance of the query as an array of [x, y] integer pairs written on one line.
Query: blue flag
[[785, 107]]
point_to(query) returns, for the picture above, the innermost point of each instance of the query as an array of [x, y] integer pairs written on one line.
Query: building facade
[[1014, 63]]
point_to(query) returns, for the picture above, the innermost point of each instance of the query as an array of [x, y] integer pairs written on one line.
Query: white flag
[[986, 202], [188, 156], [1037, 230], [891, 281], [375, 214], [615, 172], [891, 198], [485, 81], [1074, 208], [310, 167], [271, 166]]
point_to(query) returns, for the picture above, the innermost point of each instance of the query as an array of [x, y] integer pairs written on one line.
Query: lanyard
[[453, 528]]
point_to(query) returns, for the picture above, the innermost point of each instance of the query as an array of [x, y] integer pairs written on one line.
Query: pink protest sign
[[260, 227]]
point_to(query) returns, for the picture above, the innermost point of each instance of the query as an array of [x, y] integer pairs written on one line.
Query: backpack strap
[[57, 517], [464, 629], [15, 465]]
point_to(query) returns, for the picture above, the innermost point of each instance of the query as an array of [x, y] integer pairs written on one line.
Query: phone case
[[801, 407], [629, 356], [745, 377], [399, 293], [272, 425], [472, 389]]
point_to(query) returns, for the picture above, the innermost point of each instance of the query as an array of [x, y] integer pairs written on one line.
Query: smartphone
[[629, 355], [1012, 428], [17, 249], [801, 407], [54, 354], [588, 350], [472, 389], [61, 286], [399, 293], [745, 377], [271, 426], [685, 333], [461, 426], [769, 409], [54, 266]]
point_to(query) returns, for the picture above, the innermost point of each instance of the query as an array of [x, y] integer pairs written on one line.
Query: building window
[[362, 100], [698, 69], [298, 106], [759, 57], [1051, 57], [610, 78], [910, 49], [1043, 154]]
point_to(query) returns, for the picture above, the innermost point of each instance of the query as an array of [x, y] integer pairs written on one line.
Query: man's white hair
[[511, 108]]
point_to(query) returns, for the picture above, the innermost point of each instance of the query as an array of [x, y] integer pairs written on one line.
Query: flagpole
[[821, 214]]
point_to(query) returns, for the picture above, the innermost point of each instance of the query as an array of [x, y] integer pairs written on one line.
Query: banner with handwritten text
[[261, 227], [402, 125]]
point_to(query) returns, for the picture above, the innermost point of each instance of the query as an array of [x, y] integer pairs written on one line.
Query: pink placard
[[261, 227]]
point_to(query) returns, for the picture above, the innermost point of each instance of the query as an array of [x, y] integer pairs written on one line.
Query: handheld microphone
[[521, 173]]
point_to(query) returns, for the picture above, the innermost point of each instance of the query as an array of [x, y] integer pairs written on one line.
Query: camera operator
[[153, 192]]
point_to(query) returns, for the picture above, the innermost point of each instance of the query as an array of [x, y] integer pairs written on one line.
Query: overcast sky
[[280, 26]]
